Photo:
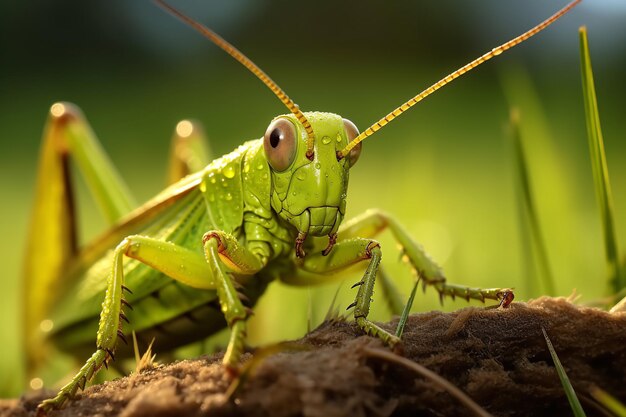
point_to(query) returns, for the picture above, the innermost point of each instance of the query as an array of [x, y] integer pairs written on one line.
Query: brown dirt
[[498, 357]]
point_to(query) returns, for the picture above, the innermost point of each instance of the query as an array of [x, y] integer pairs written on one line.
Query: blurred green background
[[445, 169]]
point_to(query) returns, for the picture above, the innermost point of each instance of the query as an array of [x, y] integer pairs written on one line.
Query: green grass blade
[[529, 208], [577, 409], [609, 402], [617, 281], [407, 308]]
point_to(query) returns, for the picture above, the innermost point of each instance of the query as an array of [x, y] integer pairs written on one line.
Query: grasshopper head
[[309, 192], [310, 153]]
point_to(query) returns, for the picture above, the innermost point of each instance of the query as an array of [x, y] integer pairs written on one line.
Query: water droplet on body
[[229, 171]]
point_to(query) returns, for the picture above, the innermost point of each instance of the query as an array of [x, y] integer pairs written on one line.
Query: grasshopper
[[196, 257]]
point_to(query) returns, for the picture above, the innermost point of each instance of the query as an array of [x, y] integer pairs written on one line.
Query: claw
[[332, 239], [507, 298], [299, 242]]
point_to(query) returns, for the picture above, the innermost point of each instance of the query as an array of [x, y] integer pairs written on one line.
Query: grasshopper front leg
[[343, 255], [213, 271], [351, 250]]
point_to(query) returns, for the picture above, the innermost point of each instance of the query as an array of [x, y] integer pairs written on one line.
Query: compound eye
[[280, 144], [352, 132]]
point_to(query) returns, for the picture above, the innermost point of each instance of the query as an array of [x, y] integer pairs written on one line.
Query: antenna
[[452, 76], [247, 62]]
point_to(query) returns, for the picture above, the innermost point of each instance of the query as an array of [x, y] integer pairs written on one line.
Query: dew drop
[[325, 140], [259, 167], [229, 171], [318, 165], [338, 138], [229, 196]]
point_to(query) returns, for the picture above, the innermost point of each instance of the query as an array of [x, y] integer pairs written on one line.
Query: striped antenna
[[494, 52], [246, 62]]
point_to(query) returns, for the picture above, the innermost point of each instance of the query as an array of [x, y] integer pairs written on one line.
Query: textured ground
[[498, 357]]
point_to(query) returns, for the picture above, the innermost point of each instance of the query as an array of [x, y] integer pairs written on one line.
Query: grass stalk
[[574, 403], [608, 401], [407, 309], [529, 207], [616, 278]]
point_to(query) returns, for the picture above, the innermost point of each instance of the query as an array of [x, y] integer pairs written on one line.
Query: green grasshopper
[[196, 257]]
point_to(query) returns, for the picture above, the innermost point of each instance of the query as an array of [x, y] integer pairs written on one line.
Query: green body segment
[[197, 257], [162, 306], [232, 194]]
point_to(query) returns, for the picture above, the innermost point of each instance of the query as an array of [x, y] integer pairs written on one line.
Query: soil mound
[[498, 357]]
